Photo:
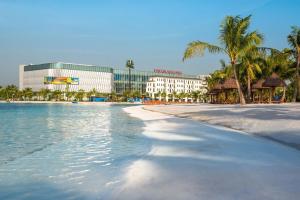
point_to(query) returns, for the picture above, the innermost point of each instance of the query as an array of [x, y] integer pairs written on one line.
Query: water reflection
[[77, 148]]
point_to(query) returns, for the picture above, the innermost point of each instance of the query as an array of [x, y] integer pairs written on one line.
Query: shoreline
[[195, 158], [240, 124], [69, 102], [292, 145]]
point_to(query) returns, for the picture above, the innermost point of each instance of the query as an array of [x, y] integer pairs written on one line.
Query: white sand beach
[[279, 122], [193, 160]]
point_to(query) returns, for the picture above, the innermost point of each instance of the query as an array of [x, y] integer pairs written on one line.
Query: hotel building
[[174, 85], [73, 77]]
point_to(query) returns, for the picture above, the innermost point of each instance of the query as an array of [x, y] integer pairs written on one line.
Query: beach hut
[[228, 86], [214, 93], [273, 82], [258, 88]]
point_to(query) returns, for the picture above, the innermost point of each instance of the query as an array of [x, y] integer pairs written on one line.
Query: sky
[[154, 33]]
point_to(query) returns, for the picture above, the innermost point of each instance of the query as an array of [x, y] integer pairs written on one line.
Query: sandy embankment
[[276, 122], [192, 160]]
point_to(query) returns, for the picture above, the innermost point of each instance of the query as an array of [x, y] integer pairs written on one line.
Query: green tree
[[294, 42], [44, 93], [174, 94], [10, 92], [164, 95], [28, 93], [235, 40], [195, 95], [57, 95], [70, 95], [137, 94], [130, 66], [250, 63], [91, 93], [80, 95], [113, 97]]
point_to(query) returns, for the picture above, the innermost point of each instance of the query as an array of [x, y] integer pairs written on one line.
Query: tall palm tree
[[235, 40], [250, 63], [294, 42], [130, 66]]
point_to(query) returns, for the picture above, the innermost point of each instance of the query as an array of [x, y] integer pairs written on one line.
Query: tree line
[[249, 61], [12, 93]]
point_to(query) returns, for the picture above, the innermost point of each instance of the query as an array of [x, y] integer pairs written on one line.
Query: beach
[[278, 122], [193, 160]]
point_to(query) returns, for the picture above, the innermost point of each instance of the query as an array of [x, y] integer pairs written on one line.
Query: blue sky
[[154, 33]]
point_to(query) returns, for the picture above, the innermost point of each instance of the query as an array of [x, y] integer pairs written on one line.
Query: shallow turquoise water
[[65, 151]]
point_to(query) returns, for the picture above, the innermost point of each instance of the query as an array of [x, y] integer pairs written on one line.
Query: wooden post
[[270, 95]]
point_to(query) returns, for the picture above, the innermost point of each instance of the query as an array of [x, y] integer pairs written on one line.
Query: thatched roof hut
[[215, 89], [274, 81], [259, 85], [229, 84], [217, 86]]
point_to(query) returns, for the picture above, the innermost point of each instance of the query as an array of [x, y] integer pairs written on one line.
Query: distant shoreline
[[69, 102]]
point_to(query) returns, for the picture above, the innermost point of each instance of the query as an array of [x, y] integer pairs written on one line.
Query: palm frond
[[197, 48]]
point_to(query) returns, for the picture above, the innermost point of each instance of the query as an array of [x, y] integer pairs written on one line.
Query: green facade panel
[[68, 67]]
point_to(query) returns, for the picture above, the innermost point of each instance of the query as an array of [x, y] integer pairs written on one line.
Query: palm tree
[[294, 42], [80, 95], [164, 95], [57, 94], [195, 95], [91, 93], [10, 91], [174, 93], [43, 92], [235, 40], [130, 66], [250, 63], [181, 96], [113, 96], [1, 92], [70, 95], [28, 93], [136, 94]]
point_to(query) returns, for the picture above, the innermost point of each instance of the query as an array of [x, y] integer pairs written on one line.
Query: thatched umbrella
[[272, 82], [259, 86]]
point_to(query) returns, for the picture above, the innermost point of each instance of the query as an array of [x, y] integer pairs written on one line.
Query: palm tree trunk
[[296, 89], [129, 80], [283, 95], [260, 96], [249, 87], [241, 95]]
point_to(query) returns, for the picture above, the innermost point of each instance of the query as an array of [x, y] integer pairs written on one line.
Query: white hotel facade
[[169, 86]]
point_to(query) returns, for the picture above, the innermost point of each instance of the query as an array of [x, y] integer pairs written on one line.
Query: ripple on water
[[53, 149]]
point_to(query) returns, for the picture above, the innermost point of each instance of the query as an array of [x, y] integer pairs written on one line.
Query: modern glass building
[[62, 76], [66, 76], [139, 79]]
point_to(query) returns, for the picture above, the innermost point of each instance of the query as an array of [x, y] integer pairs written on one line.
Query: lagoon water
[[72, 151]]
